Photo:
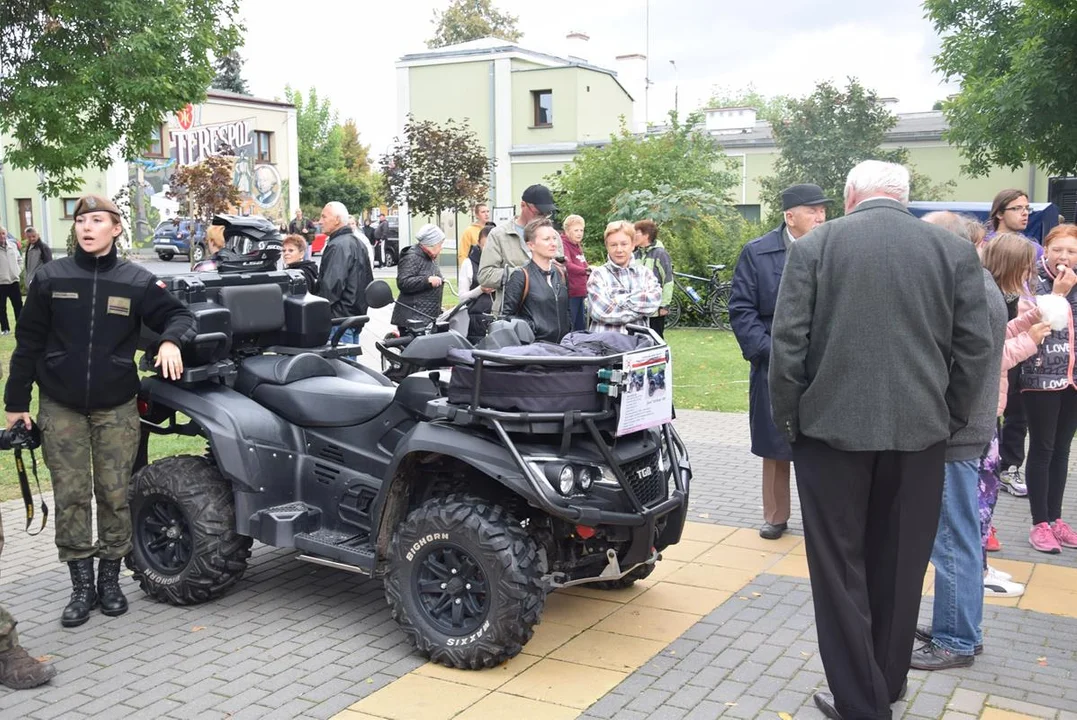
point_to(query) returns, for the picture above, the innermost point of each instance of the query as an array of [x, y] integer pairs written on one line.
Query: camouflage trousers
[[8, 637], [90, 456]]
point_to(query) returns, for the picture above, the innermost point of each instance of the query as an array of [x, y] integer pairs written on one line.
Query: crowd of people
[[884, 351]]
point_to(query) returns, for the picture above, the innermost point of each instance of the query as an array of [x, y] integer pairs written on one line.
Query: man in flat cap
[[751, 312], [505, 247]]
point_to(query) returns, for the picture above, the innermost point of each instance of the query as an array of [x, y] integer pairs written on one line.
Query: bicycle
[[712, 306]]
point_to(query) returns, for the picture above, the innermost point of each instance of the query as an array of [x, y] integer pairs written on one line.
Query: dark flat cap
[[804, 194], [95, 203]]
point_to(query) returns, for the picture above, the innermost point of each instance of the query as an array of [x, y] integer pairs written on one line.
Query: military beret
[[95, 203]]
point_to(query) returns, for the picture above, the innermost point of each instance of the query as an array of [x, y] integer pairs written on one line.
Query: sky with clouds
[[347, 48]]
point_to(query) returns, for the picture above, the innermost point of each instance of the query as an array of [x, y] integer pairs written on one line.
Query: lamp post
[[676, 88]]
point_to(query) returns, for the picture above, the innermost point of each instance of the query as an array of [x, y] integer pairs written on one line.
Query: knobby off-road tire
[[627, 581], [497, 581], [185, 546]]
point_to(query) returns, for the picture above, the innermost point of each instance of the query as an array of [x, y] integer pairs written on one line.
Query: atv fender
[[489, 458], [247, 440]]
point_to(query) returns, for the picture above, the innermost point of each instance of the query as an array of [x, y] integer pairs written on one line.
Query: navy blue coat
[[751, 313]]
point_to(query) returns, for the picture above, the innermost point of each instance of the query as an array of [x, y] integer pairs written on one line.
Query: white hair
[[874, 177], [339, 211]]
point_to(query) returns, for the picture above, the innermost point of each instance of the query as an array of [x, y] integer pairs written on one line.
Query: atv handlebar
[[398, 342]]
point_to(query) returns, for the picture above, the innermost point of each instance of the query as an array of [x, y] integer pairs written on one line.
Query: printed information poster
[[648, 394]]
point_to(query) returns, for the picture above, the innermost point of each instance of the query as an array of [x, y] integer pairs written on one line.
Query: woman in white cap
[[418, 278]]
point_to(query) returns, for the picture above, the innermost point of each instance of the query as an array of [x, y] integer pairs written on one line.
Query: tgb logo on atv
[[460, 642], [423, 541]]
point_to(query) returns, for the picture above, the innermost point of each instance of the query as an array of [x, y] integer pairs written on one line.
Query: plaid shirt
[[619, 296]]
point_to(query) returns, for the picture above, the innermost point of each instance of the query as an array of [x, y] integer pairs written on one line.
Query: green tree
[[436, 167], [685, 158], [772, 109], [1018, 73], [230, 74], [825, 135], [79, 77], [356, 156], [467, 20]]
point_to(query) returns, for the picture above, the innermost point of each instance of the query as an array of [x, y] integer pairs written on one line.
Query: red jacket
[[576, 267]]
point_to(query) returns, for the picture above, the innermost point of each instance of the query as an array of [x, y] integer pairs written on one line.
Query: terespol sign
[[195, 144]]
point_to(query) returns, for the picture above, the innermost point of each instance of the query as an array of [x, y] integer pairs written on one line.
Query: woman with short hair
[[538, 292], [293, 251], [621, 292]]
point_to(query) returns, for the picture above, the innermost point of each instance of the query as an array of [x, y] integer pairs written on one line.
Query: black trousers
[[1011, 441], [9, 291], [1052, 421], [658, 324], [869, 526]]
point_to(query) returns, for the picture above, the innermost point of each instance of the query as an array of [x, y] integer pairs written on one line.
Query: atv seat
[[305, 389]]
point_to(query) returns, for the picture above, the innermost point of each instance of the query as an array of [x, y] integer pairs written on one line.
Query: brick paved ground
[[296, 640]]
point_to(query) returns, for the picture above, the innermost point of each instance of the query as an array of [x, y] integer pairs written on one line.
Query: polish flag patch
[[161, 284]]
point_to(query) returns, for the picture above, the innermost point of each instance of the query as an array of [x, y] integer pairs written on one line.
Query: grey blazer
[[881, 339]]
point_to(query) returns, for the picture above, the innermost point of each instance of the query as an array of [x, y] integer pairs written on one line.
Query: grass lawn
[[708, 370]]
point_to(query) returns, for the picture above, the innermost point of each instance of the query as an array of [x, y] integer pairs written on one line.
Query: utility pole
[[647, 66], [676, 89]]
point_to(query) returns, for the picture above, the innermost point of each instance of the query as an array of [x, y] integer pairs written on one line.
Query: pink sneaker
[[1064, 534], [1043, 539]]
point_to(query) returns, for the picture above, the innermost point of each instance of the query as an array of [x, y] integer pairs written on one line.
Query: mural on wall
[[190, 142]]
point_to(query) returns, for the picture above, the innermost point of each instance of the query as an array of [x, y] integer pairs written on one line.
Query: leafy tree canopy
[[825, 135], [436, 167], [1018, 74], [466, 20], [79, 77], [206, 189], [685, 158]]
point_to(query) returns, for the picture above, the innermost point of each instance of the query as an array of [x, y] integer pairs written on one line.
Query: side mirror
[[379, 294]]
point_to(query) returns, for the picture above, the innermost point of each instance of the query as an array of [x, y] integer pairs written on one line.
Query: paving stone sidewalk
[[297, 640]]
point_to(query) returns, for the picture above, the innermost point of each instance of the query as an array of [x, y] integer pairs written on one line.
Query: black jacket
[[345, 273], [413, 280], [546, 306], [309, 268], [78, 332]]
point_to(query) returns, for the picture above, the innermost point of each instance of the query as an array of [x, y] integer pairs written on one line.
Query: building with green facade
[[532, 110]]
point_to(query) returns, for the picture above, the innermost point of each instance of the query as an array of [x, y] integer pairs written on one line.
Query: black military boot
[[83, 595], [108, 588]]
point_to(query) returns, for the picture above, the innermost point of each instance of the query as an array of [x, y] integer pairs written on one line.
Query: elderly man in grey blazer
[[879, 346]]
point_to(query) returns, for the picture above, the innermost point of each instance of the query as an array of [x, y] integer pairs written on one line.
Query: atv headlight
[[566, 480], [588, 475]]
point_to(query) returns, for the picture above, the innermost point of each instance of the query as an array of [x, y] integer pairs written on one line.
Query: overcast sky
[[347, 48]]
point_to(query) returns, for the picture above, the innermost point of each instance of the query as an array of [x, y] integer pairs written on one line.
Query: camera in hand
[[20, 437]]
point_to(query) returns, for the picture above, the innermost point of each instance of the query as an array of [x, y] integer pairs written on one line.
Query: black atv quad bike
[[470, 515]]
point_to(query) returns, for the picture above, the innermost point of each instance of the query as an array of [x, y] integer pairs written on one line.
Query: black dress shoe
[[923, 634], [825, 702], [772, 532], [932, 657]]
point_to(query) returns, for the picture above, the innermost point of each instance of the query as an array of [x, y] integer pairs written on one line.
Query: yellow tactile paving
[[996, 714], [589, 640]]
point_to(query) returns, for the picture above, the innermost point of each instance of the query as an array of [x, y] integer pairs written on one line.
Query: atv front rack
[[597, 424]]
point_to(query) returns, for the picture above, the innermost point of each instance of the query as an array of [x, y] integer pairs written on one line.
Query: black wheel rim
[[452, 589], [163, 534], [720, 310]]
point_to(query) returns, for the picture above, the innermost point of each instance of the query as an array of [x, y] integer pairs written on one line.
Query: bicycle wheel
[[674, 316], [718, 306]]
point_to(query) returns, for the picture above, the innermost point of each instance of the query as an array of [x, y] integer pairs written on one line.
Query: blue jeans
[[959, 582], [576, 313]]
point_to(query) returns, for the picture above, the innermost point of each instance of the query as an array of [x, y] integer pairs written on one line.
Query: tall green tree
[[829, 132], [773, 109], [436, 167], [1018, 72], [79, 77], [356, 155], [467, 20], [685, 158], [230, 74]]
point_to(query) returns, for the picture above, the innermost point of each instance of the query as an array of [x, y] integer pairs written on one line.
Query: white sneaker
[[1013, 481], [995, 586], [998, 574]]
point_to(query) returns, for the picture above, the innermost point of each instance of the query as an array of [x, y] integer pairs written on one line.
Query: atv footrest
[[279, 524], [349, 548]]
